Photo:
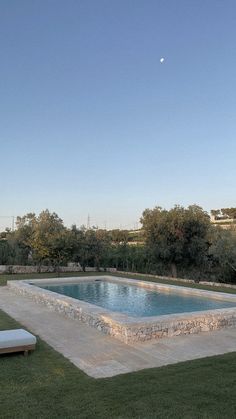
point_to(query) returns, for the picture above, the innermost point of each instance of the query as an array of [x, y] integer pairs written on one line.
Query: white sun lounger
[[16, 340]]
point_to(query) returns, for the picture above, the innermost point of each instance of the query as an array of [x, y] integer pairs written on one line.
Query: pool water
[[134, 300]]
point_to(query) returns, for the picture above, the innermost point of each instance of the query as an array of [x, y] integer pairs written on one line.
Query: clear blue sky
[[92, 122]]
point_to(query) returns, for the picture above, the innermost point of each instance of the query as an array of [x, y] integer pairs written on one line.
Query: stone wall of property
[[28, 269], [125, 328]]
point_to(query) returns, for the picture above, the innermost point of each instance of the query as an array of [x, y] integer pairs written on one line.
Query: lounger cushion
[[16, 337]]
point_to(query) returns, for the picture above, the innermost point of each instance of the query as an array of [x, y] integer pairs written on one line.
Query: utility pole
[[88, 222]]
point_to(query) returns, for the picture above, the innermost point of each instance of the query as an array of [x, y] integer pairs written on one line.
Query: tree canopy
[[180, 241], [178, 236]]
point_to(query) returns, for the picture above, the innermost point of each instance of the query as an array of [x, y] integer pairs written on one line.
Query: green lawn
[[46, 385]]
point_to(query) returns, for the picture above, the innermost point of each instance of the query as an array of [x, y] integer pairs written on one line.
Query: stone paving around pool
[[100, 355]]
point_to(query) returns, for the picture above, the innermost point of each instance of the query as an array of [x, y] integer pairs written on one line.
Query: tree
[[39, 236], [23, 234], [103, 244], [96, 244], [59, 248], [46, 229], [215, 213], [120, 236], [77, 239], [5, 253], [178, 236], [229, 212], [223, 251]]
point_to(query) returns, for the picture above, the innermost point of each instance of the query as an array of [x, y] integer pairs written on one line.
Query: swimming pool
[[134, 300], [132, 310]]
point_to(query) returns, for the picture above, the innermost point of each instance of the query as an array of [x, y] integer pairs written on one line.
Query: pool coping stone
[[125, 327]]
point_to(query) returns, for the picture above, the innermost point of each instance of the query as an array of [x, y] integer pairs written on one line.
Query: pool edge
[[127, 328]]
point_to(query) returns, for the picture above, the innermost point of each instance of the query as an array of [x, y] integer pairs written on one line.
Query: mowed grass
[[46, 385]]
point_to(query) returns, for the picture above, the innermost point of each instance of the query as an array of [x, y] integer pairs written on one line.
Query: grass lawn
[[46, 385]]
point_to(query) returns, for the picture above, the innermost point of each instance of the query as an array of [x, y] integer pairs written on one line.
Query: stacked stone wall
[[30, 269]]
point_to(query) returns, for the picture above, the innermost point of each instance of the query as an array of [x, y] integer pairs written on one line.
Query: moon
[[162, 60]]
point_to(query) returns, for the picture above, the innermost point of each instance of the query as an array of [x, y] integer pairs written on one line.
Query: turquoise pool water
[[134, 300]]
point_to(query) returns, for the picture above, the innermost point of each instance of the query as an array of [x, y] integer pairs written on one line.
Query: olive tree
[[177, 237]]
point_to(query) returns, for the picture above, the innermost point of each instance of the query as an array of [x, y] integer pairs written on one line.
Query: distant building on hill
[[224, 217]]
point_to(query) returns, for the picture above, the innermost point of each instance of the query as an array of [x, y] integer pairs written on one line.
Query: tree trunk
[[232, 266], [173, 270]]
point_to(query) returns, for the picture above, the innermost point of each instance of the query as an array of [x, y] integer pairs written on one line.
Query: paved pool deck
[[100, 355]]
